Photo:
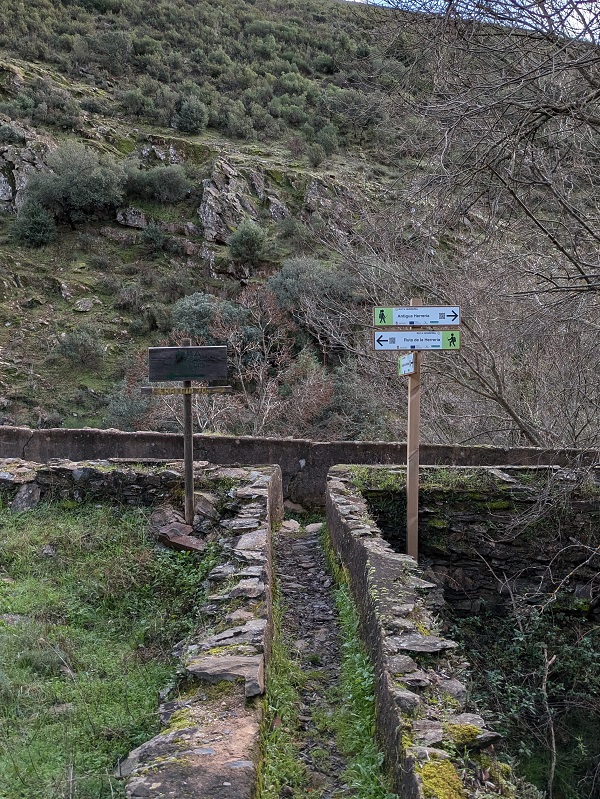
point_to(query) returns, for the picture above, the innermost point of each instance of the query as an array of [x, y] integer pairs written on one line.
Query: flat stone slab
[[182, 543], [415, 642], [214, 668], [256, 540], [428, 733], [212, 758], [251, 588]]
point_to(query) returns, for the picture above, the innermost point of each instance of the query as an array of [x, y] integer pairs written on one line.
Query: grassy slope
[[37, 387]]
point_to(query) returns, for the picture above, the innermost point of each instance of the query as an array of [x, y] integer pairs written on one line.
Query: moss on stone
[[462, 734], [441, 781], [180, 720], [499, 504], [437, 523]]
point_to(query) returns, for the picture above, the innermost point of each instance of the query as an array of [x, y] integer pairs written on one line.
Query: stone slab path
[[311, 629]]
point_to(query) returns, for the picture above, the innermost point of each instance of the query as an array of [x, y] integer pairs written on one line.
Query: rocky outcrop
[[18, 162], [225, 202]]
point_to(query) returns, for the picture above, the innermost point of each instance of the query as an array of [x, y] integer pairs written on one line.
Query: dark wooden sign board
[[187, 363]]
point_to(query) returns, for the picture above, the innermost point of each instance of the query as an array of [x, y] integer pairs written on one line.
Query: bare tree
[[514, 106]]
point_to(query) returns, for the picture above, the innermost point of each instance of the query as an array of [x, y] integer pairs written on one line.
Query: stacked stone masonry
[[303, 463]]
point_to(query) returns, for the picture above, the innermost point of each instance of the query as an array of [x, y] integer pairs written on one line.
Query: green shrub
[[192, 116], [8, 135], [81, 183], [165, 184], [34, 225], [153, 238], [315, 154], [247, 243], [82, 347], [193, 314]]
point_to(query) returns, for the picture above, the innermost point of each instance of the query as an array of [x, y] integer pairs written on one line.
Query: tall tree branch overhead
[[514, 103]]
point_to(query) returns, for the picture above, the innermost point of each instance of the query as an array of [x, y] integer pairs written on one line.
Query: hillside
[[262, 175]]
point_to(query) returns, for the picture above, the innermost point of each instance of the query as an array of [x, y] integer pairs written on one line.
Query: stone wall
[[492, 537], [209, 744], [304, 464], [420, 697]]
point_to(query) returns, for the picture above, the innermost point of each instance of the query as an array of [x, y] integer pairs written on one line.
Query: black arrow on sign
[[453, 315], [381, 340]]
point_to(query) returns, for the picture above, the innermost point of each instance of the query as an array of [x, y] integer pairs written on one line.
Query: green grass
[[281, 766], [94, 611]]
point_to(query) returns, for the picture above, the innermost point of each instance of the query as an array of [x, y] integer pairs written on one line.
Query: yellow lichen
[[440, 780]]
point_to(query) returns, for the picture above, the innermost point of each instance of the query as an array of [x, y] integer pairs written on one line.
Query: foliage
[[192, 116], [247, 243], [280, 753], [97, 609], [194, 314], [81, 347], [8, 135], [34, 225], [509, 663], [80, 183], [273, 70], [355, 720], [166, 184], [153, 238]]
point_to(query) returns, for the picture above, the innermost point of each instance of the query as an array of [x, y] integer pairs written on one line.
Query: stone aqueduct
[[419, 704]]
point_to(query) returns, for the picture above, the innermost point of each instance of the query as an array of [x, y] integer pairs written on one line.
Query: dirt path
[[311, 629]]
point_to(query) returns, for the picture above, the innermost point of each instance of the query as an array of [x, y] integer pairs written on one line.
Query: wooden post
[[412, 455], [188, 448]]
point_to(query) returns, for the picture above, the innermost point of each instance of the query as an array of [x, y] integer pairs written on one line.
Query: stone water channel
[[310, 628]]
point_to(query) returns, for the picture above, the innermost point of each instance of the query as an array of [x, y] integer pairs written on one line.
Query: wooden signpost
[[399, 329], [187, 363]]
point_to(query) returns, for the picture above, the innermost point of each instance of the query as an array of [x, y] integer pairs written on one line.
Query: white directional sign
[[406, 364], [416, 340], [417, 315]]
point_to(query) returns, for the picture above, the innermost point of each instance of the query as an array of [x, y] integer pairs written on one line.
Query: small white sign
[[406, 364]]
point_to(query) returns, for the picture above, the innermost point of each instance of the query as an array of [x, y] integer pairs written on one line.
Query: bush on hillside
[[192, 116], [81, 183], [247, 243], [165, 184], [195, 313], [34, 225], [82, 347]]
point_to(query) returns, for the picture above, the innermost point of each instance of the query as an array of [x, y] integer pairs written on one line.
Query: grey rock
[[401, 664], [415, 642], [205, 505], [407, 701], [26, 498], [417, 679], [428, 733], [314, 528], [256, 540], [132, 217], [424, 753], [455, 689], [213, 669], [250, 588]]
